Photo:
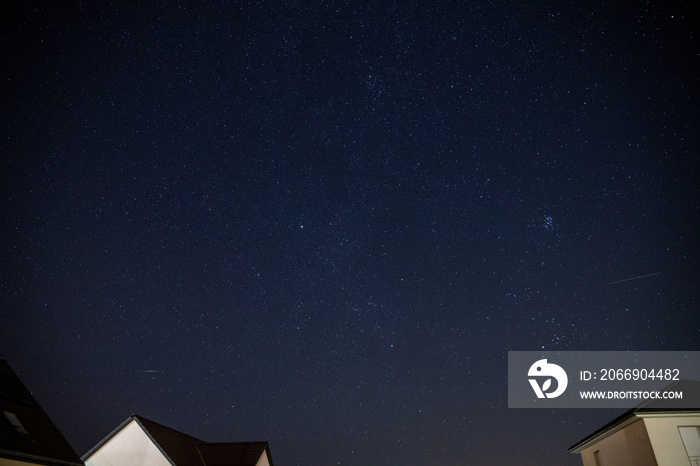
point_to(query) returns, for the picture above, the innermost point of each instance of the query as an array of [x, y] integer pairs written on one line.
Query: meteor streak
[[635, 278]]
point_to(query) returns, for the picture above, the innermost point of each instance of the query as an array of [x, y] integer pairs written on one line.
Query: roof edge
[[19, 456], [108, 437], [645, 408], [263, 443], [621, 422], [605, 431], [269, 455], [148, 434]]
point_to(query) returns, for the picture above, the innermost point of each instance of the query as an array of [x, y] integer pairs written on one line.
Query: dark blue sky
[[326, 225]]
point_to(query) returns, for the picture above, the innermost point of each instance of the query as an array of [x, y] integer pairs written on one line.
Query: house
[[139, 441], [650, 434], [27, 434]]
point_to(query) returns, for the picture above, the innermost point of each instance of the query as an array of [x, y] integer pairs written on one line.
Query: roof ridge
[[179, 448], [138, 417]]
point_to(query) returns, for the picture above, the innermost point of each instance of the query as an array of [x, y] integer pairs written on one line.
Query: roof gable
[[129, 445], [184, 450]]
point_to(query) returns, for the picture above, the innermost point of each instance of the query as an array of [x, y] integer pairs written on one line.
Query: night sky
[[326, 225]]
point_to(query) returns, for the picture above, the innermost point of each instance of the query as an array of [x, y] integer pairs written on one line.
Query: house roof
[[179, 448], [689, 405], [184, 450], [41, 442], [232, 454]]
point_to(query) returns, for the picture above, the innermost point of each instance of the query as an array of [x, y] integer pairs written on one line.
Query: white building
[[648, 435], [141, 442]]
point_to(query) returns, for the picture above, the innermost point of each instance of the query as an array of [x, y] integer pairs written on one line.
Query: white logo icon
[[543, 369]]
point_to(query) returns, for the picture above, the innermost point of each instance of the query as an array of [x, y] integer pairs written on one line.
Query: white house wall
[[666, 439], [128, 447], [628, 446], [263, 461]]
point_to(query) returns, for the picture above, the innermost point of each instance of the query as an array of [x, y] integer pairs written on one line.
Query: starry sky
[[325, 224]]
